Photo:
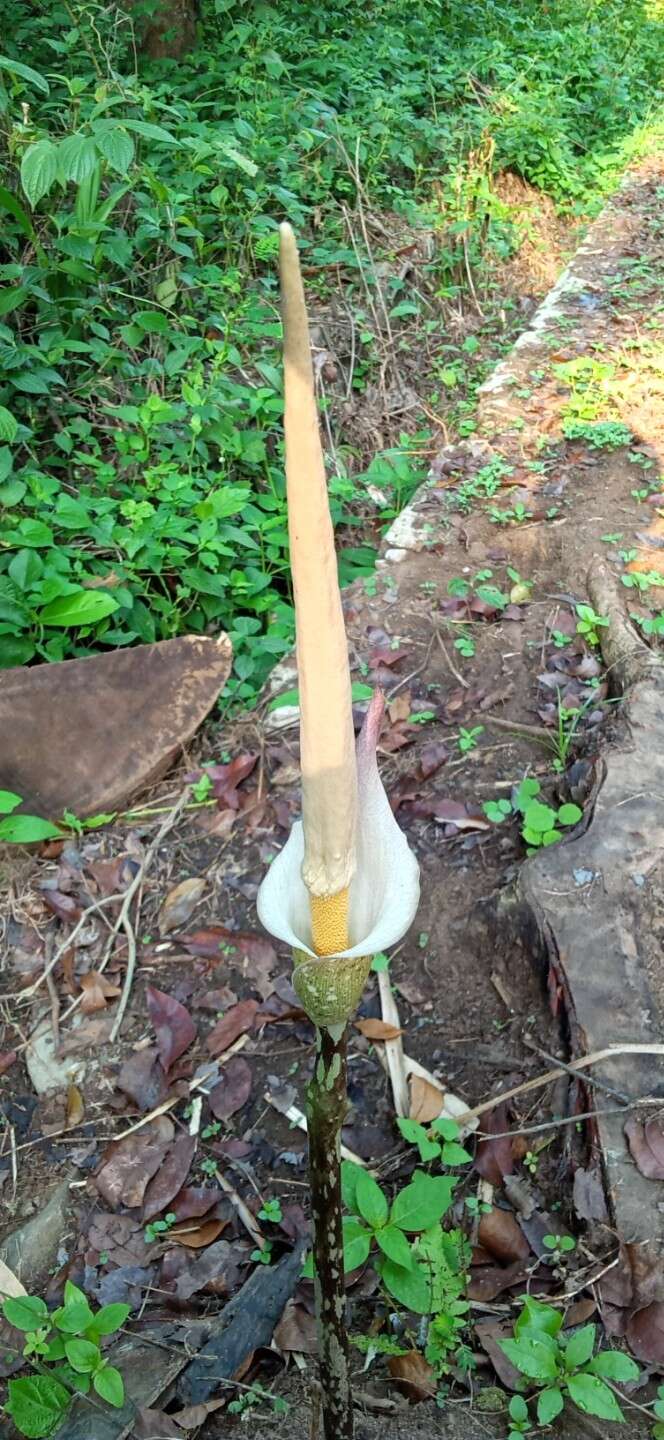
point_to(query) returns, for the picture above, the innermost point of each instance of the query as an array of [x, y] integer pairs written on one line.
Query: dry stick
[[529, 732], [456, 673], [248, 1220], [571, 1119], [123, 918], [611, 1053], [590, 1079], [31, 990]]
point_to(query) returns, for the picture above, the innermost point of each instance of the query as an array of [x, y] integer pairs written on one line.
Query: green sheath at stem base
[[326, 1109]]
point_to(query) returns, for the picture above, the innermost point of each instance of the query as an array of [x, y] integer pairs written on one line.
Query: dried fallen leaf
[[214, 1270], [413, 1376], [254, 955], [296, 1330], [589, 1197], [645, 1334], [10, 1283], [170, 1177], [173, 1024], [154, 1425], [121, 1237], [193, 1201], [196, 1235], [426, 1101], [142, 1079], [233, 1088], [96, 991], [234, 1023], [488, 1281], [646, 1145], [378, 1029], [180, 903], [489, 1334], [128, 1165], [193, 1416], [494, 1158], [500, 1234], [75, 1107]]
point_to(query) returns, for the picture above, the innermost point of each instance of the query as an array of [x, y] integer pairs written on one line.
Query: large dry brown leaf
[[232, 1089], [170, 1177], [500, 1234], [254, 955], [645, 1334], [197, 1234], [296, 1330], [234, 1023], [193, 1416], [413, 1375], [121, 1237], [646, 1145], [180, 903], [97, 990], [155, 1425], [214, 1270], [128, 1165], [493, 1157], [426, 1101], [142, 1079], [107, 726], [377, 1029], [173, 1024]]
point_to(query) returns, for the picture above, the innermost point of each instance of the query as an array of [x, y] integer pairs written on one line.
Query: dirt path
[[470, 625]]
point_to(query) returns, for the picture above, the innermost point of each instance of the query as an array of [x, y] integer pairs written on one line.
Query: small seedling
[[468, 738], [540, 822], [271, 1210], [589, 623], [558, 1246], [254, 1395], [465, 645], [155, 1228], [211, 1130], [564, 1368]]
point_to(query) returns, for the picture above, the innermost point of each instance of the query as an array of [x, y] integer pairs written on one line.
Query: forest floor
[[472, 627]]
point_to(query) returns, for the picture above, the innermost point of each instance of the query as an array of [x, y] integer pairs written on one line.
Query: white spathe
[[385, 889]]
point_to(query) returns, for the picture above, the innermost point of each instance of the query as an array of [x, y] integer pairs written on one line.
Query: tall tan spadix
[[329, 772]]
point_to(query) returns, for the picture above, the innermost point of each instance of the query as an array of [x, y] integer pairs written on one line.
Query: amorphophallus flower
[[346, 884]]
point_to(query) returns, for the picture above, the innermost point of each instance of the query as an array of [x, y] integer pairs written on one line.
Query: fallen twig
[[394, 1048], [248, 1220], [611, 1053], [456, 673], [569, 1070]]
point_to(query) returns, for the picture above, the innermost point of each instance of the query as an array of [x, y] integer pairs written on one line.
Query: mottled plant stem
[[326, 1108]]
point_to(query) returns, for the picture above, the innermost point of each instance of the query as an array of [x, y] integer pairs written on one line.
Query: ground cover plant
[[141, 488]]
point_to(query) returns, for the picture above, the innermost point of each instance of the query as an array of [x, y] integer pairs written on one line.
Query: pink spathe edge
[[385, 890]]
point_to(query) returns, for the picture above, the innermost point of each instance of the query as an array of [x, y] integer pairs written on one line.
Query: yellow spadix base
[[329, 923], [330, 988]]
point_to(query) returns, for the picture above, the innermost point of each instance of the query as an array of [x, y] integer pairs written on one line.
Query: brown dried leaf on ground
[[296, 1330], [155, 1425], [413, 1376], [377, 1029], [494, 1158], [426, 1100], [488, 1281], [489, 1334], [233, 1089], [97, 990], [500, 1234], [645, 1334], [128, 1165], [253, 955], [121, 1238], [214, 1270], [197, 1234], [646, 1145], [173, 1024], [589, 1197], [193, 1201], [142, 1079], [193, 1416], [180, 903], [234, 1023], [170, 1177]]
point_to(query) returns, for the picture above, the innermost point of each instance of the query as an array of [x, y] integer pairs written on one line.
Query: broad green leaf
[[11, 299], [8, 426], [110, 1386], [39, 168], [394, 1244], [549, 1404], [357, 1244], [537, 1316], [77, 157], [14, 67], [110, 1318], [614, 1365], [423, 1203], [27, 830], [151, 132], [13, 206], [15, 650], [24, 1312], [117, 147], [658, 1432], [25, 568], [350, 1174], [411, 1288], [8, 802], [531, 1357], [82, 1355], [454, 1154], [37, 1405], [83, 608], [416, 1134], [448, 1129], [371, 1202], [580, 1347], [594, 1397], [539, 818], [517, 1408]]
